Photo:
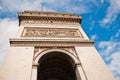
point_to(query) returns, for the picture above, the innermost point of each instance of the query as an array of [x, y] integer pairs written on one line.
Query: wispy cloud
[[76, 6], [116, 37], [114, 65], [111, 14], [92, 24], [0, 7], [20, 5], [110, 50], [93, 37], [118, 33], [8, 28], [107, 47]]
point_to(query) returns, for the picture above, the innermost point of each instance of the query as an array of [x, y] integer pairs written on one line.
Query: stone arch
[[56, 65], [76, 60]]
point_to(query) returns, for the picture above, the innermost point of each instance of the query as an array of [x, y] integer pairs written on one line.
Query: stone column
[[80, 73], [34, 72]]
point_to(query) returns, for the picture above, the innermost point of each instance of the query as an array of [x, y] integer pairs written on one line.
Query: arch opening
[[56, 66]]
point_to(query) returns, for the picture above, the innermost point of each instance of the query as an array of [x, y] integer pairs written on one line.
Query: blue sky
[[100, 21]]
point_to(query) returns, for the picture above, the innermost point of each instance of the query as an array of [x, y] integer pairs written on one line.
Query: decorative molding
[[48, 14], [39, 54], [48, 17], [49, 43], [47, 22], [39, 50], [51, 32]]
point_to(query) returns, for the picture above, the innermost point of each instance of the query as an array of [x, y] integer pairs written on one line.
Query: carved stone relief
[[45, 32], [38, 50]]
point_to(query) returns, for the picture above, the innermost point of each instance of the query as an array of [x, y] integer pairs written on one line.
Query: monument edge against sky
[[58, 37]]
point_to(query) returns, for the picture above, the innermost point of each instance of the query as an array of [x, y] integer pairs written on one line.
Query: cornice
[[51, 42], [28, 11], [48, 16]]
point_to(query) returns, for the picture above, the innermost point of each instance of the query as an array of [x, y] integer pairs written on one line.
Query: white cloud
[[102, 1], [8, 28], [0, 7], [114, 65], [21, 5], [118, 33], [92, 24], [107, 47], [110, 50], [54, 5], [93, 37], [116, 37], [112, 13]]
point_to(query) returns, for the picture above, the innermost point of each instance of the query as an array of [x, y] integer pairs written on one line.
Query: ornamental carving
[[38, 50], [55, 33]]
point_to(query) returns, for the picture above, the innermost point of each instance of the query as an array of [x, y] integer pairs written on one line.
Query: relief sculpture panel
[[51, 32]]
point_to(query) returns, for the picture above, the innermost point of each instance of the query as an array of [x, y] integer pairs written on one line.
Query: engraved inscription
[[45, 32]]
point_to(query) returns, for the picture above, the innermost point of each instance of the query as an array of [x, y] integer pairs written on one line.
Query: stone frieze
[[51, 32]]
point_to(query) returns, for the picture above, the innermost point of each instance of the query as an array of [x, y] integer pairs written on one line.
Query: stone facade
[[60, 34]]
